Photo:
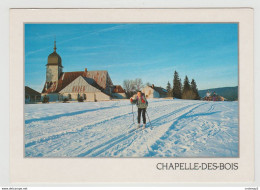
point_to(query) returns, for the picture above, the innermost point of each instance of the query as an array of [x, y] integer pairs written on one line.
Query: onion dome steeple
[[54, 58]]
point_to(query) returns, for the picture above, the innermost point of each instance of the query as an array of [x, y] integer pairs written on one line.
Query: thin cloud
[[123, 26], [82, 48], [36, 51], [41, 36], [81, 54], [52, 35]]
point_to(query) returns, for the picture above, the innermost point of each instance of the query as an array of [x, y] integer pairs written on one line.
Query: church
[[89, 85]]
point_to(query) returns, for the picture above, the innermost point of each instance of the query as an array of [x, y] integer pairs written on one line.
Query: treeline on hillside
[[229, 93], [187, 90]]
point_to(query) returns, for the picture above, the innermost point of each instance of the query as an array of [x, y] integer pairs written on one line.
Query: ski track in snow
[[180, 128]]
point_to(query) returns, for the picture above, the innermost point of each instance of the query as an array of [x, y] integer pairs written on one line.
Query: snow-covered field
[[180, 128]]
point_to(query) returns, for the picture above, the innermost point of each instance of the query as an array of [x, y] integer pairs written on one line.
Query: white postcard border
[[128, 170]]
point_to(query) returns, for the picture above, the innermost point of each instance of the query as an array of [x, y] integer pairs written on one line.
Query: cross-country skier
[[142, 104]]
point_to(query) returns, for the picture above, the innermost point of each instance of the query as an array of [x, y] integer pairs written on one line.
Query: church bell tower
[[54, 66]]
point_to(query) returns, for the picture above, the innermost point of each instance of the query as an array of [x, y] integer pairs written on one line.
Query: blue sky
[[206, 52]]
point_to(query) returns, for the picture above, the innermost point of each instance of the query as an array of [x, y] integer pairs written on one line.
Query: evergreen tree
[[169, 89], [195, 90], [176, 91], [186, 85], [186, 90]]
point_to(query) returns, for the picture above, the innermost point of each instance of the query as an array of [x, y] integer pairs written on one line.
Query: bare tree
[[139, 84], [132, 86], [127, 85]]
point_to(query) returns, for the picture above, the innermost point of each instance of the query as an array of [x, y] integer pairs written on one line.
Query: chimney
[[85, 72], [152, 85]]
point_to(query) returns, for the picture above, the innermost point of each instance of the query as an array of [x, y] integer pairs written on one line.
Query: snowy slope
[[180, 128]]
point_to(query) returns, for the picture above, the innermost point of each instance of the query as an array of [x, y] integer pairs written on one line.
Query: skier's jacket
[[140, 102]]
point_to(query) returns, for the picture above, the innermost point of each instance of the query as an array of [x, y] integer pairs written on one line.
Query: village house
[[119, 92], [90, 85], [154, 92], [31, 95]]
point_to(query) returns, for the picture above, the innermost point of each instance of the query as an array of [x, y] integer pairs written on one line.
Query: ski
[[132, 130], [139, 129]]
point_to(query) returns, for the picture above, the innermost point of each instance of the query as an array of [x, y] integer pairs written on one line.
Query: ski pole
[[149, 119], [133, 114]]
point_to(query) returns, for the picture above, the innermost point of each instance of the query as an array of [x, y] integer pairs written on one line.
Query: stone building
[[90, 85]]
